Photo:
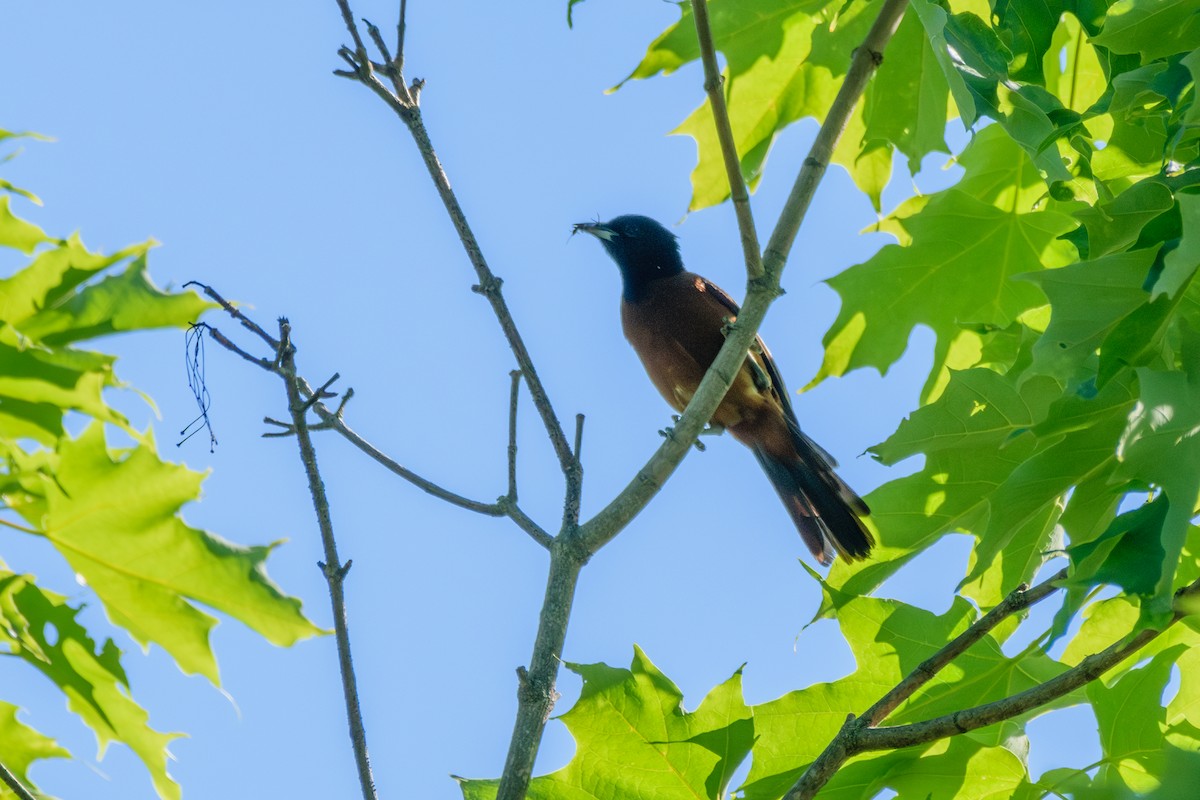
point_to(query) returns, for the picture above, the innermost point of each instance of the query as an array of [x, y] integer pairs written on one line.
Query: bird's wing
[[767, 361]]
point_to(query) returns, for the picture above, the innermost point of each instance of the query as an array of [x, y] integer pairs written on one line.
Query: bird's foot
[[708, 430]]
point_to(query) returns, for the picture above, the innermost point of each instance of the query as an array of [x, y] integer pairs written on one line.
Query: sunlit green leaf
[[22, 745], [1154, 28], [115, 520], [634, 739], [41, 629]]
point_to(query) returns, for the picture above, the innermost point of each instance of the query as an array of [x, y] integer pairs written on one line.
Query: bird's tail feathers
[[825, 510]]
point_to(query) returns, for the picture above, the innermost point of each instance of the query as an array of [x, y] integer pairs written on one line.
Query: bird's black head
[[644, 250]]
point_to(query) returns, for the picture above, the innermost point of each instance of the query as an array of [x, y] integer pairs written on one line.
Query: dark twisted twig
[[331, 567]]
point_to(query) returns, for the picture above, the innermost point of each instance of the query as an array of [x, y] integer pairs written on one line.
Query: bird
[[677, 321]]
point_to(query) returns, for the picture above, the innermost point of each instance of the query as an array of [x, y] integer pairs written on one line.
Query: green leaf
[[785, 62], [634, 739], [934, 18], [888, 640], [125, 302], [1128, 554], [1116, 225], [1077, 440], [1161, 446], [21, 745], [1027, 29], [53, 275], [41, 629], [909, 78], [1179, 265], [116, 521], [972, 440], [1088, 299], [959, 267], [37, 386], [953, 769], [1080, 80], [1153, 28], [1131, 720], [16, 232]]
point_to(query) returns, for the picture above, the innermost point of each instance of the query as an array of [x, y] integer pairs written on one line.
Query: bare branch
[[522, 520], [714, 85], [393, 466], [234, 312], [400, 26], [334, 571], [332, 419], [536, 693], [514, 394], [404, 103], [348, 18], [18, 789]]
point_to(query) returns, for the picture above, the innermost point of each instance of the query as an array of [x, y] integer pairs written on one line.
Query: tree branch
[[1017, 601], [332, 420], [10, 780], [860, 735], [865, 61], [714, 85], [536, 693], [334, 571], [403, 101]]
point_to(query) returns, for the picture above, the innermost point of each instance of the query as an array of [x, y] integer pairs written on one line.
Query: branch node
[[489, 287], [322, 393]]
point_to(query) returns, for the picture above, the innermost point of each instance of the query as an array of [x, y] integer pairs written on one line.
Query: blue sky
[[218, 130]]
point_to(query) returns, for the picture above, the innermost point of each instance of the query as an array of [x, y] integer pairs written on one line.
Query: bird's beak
[[597, 229]]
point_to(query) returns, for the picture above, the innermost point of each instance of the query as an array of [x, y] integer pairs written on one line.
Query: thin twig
[[523, 521], [11, 781], [236, 313], [514, 395], [714, 84], [348, 17], [332, 420], [400, 26], [578, 438], [861, 735], [332, 568]]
